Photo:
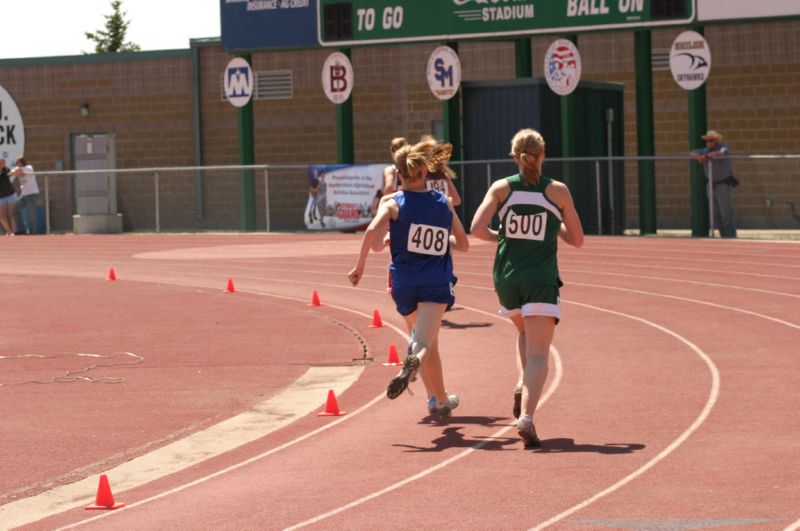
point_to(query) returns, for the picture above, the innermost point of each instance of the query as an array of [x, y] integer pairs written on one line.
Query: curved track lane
[[674, 392]]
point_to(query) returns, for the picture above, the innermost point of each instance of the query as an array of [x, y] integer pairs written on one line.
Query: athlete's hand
[[355, 275]]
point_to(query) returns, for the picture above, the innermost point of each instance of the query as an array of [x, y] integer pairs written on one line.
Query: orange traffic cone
[[376, 320], [230, 288], [112, 275], [315, 300], [104, 501], [394, 359], [331, 407]]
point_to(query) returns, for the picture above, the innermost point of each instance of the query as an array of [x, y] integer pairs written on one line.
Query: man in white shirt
[[30, 200]]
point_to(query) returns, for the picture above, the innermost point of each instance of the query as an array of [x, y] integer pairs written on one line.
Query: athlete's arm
[[458, 236], [375, 230], [388, 180], [380, 243], [571, 229], [451, 188], [497, 193]]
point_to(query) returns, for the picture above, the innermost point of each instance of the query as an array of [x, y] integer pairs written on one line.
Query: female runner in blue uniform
[[423, 227]]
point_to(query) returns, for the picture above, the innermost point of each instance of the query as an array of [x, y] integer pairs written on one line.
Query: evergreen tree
[[112, 40]]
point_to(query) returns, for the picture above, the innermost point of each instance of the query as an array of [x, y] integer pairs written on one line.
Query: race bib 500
[[526, 226], [427, 239]]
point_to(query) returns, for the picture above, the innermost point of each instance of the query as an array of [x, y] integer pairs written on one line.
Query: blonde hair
[[396, 144], [528, 145], [439, 155], [412, 161]]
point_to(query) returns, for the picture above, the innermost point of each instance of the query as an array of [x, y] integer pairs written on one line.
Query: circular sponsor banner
[[12, 129], [238, 82], [444, 72], [337, 77], [562, 67], [690, 60]]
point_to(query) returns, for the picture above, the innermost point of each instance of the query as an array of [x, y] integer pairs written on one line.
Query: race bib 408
[[427, 239], [526, 226]]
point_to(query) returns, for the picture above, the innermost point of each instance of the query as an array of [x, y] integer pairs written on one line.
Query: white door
[[95, 193]]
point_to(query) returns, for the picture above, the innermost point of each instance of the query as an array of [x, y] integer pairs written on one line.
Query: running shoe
[[432, 405], [400, 382], [446, 410], [517, 403], [527, 431]]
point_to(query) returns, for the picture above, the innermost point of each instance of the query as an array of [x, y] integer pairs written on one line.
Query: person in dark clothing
[[718, 168], [8, 197]]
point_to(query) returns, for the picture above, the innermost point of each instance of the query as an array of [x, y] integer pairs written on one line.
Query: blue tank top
[[420, 240]]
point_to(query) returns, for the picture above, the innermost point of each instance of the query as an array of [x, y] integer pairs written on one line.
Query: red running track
[[670, 402]]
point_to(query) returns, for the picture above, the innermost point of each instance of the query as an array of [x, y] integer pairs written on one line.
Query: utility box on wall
[[493, 111]]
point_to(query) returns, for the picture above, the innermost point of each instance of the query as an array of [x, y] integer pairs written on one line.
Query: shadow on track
[[452, 438], [456, 419], [552, 446], [461, 326]]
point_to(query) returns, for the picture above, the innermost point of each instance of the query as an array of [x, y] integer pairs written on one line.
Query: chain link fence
[[605, 190]]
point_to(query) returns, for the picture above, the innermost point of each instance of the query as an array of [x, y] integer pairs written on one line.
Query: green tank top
[[528, 236]]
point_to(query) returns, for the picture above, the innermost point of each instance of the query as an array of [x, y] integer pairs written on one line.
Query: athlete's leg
[[417, 351], [520, 359], [425, 347], [431, 373], [538, 337], [411, 320]]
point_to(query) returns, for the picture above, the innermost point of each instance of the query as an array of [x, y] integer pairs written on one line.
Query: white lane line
[[464, 261], [193, 449], [793, 527], [339, 286], [675, 268], [666, 296], [462, 273], [696, 301], [231, 468], [712, 399], [303, 397], [550, 390], [726, 264], [683, 281], [557, 375]]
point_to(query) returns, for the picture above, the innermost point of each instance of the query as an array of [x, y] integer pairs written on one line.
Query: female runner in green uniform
[[534, 212]]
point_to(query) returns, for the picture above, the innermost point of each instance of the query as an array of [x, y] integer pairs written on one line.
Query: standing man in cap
[[715, 161]]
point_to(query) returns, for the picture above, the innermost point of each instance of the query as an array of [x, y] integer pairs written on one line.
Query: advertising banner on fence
[[342, 197]]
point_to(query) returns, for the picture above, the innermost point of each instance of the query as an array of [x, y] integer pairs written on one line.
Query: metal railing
[[605, 189]]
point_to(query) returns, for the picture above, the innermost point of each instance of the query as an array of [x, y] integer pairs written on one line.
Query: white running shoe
[[446, 410], [527, 431]]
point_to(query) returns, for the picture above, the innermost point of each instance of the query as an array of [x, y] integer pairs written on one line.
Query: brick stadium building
[[166, 109]]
